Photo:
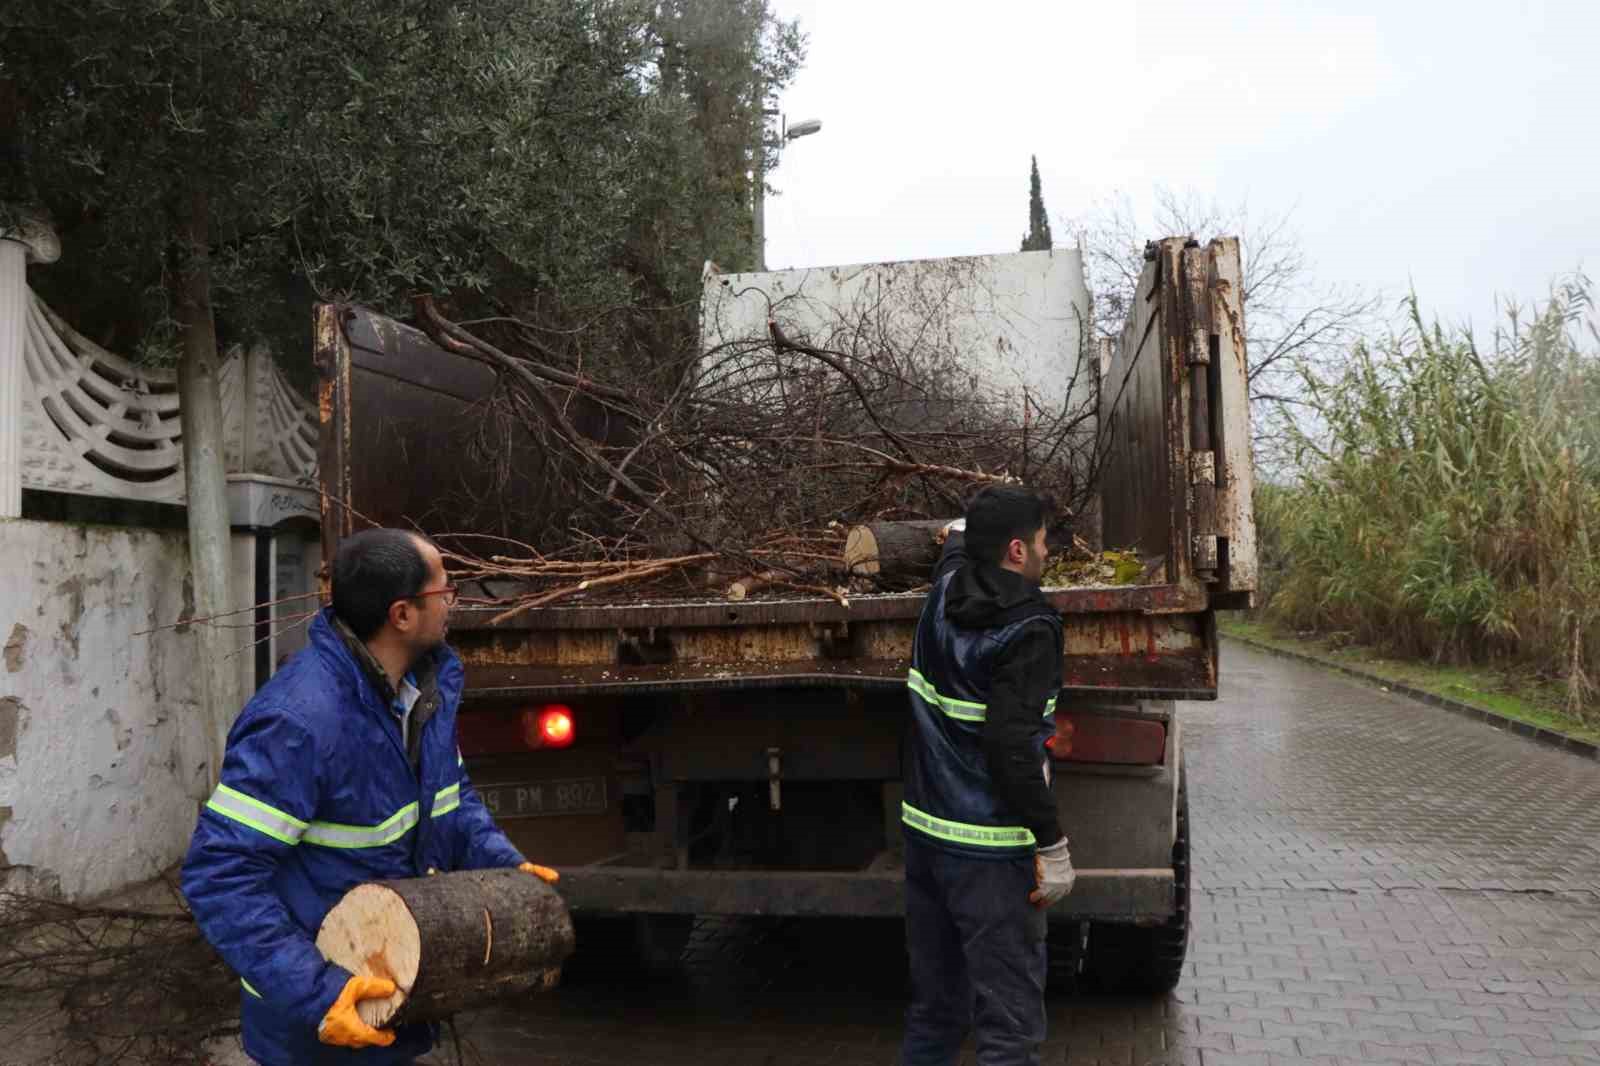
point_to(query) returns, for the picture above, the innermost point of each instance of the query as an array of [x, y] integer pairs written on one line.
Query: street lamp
[[803, 128]]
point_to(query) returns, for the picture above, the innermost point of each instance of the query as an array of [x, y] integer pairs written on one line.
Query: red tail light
[[548, 727], [1108, 739]]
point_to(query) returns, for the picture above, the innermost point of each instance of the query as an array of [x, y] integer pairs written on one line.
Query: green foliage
[[1449, 506], [1509, 693], [563, 155], [1037, 239]]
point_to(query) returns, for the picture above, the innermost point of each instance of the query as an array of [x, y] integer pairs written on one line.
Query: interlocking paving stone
[[1375, 881]]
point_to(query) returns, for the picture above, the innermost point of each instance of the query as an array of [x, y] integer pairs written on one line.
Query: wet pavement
[[1375, 881]]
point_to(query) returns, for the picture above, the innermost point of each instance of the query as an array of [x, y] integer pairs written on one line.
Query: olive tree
[[213, 163]]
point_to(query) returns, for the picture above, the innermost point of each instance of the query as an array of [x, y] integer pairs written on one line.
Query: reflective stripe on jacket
[[317, 795], [950, 796]]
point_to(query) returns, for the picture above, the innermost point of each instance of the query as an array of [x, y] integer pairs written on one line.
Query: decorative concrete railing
[[94, 423], [76, 418]]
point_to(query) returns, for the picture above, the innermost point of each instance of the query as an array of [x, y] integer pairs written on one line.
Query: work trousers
[[977, 950]]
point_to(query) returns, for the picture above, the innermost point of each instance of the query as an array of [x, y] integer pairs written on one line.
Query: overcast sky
[[1450, 145]]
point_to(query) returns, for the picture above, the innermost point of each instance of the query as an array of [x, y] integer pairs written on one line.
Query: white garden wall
[[100, 779]]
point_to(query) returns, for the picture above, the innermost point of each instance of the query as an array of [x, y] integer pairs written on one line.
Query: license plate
[[538, 799]]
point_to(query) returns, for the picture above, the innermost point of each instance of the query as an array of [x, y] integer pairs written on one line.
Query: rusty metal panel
[[881, 640], [1125, 654], [515, 684], [1141, 414], [778, 643], [565, 647], [1196, 374], [1149, 636], [1177, 478], [1175, 434], [1188, 675], [1114, 635], [412, 437], [1235, 476]]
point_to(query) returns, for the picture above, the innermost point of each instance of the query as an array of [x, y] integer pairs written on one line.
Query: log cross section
[[449, 942]]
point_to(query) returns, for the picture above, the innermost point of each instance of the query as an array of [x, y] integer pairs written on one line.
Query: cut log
[[449, 942], [743, 587], [894, 552]]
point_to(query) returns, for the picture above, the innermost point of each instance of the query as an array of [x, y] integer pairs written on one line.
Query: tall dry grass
[[1447, 503]]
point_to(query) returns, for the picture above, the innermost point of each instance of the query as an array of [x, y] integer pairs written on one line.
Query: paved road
[[1376, 881]]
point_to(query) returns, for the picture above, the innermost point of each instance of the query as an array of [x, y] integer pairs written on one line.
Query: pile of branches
[[741, 466], [107, 984], [88, 985]]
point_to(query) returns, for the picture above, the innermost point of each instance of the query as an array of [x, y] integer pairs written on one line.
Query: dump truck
[[717, 757]]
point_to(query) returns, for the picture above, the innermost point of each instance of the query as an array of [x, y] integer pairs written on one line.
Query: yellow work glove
[[543, 873], [343, 1027]]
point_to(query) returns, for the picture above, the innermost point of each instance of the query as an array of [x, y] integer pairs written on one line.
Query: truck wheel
[[647, 944], [1064, 944], [659, 940], [1146, 959]]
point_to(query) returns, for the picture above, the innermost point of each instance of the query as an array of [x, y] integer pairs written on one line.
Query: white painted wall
[[99, 780], [1011, 321]]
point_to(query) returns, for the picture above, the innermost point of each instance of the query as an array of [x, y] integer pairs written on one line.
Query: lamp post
[[787, 133]]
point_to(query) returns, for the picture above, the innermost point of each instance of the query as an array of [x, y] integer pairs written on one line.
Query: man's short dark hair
[[1000, 514], [371, 570]]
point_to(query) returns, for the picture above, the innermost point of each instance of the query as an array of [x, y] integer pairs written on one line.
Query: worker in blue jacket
[[342, 769]]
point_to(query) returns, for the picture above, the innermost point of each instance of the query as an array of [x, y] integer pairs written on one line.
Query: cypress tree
[[1037, 239]]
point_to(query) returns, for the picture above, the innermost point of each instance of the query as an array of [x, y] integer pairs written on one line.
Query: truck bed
[[1139, 641], [1175, 486]]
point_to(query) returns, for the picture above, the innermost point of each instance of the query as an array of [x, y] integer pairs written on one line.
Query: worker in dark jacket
[[985, 855], [343, 768]]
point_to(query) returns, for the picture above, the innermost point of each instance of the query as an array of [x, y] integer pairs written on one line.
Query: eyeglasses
[[449, 592]]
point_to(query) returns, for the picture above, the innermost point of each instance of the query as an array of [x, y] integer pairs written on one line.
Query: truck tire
[[1146, 959], [659, 940], [645, 944], [1064, 945]]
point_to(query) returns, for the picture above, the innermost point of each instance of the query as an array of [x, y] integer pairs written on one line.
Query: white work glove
[[1052, 867], [958, 525]]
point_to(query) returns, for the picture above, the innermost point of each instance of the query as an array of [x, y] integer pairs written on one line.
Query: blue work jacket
[[317, 795]]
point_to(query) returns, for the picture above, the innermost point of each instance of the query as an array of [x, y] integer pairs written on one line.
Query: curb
[[1548, 737]]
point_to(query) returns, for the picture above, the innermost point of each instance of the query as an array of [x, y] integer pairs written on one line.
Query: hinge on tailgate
[[1203, 475], [1203, 472]]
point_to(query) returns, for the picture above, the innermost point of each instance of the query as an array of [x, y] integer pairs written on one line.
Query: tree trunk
[[450, 942], [897, 553], [205, 481]]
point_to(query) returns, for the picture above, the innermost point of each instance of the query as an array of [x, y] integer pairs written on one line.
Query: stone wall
[[102, 765]]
